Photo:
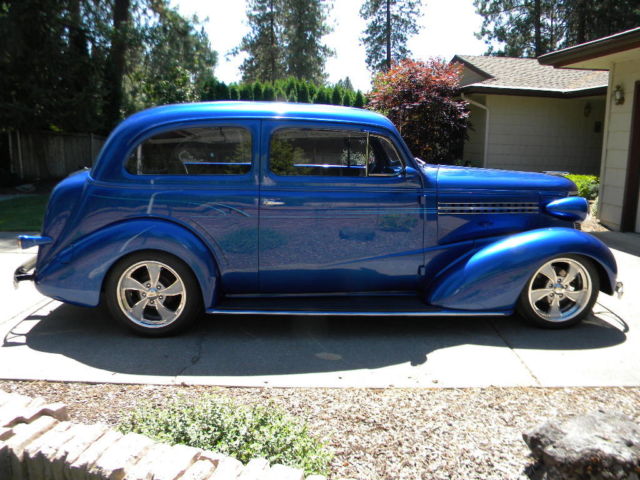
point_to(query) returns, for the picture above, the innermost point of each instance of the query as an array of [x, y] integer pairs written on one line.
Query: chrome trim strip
[[487, 207], [434, 313]]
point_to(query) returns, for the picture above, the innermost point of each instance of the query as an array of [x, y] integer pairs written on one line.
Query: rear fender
[[77, 273], [494, 276]]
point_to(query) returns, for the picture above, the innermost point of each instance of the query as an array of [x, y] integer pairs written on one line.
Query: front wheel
[[153, 293], [560, 293]]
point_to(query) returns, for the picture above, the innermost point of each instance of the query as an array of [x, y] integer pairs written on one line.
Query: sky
[[446, 28]]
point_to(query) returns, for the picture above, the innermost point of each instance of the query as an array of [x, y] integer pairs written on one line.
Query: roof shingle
[[528, 74]]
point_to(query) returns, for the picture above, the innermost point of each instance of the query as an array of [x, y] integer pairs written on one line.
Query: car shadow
[[279, 345]]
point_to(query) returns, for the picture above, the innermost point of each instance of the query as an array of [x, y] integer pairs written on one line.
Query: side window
[[194, 151], [334, 153]]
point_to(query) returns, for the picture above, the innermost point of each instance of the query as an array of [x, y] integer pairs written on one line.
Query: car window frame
[[252, 126], [268, 177]]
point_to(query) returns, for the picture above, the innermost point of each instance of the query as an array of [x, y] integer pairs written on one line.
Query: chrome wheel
[[560, 290], [151, 294]]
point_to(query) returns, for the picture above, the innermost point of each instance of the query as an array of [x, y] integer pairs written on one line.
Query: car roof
[[261, 110], [130, 130]]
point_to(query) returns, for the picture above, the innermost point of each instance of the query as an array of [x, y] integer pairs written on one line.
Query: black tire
[[584, 286], [143, 308]]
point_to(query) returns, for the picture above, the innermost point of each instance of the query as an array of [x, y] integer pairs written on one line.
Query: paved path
[[43, 339]]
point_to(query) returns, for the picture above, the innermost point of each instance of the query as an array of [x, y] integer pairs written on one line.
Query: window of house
[[194, 151], [335, 153]]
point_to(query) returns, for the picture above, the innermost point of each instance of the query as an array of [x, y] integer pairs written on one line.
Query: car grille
[[487, 207]]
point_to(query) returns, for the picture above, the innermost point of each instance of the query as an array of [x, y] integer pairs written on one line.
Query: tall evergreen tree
[[264, 44], [305, 23], [530, 28], [390, 23]]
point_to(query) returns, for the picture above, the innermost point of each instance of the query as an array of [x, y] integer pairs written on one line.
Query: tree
[[116, 63], [530, 28], [389, 25], [173, 63], [264, 44], [304, 25], [422, 100]]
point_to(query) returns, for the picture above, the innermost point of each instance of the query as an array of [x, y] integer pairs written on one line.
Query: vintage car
[[295, 209]]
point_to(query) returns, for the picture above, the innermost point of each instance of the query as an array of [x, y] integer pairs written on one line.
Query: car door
[[338, 212], [205, 176]]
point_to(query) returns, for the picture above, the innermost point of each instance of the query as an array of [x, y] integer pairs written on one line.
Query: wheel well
[[605, 284], [138, 252]]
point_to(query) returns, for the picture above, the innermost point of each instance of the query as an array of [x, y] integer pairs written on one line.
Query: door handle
[[268, 202]]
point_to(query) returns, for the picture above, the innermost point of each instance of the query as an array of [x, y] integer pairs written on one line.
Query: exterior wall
[[616, 144], [474, 147], [469, 77], [539, 134]]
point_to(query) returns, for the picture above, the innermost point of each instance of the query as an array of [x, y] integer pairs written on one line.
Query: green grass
[[23, 213]]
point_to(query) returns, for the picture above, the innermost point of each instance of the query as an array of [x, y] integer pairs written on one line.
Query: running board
[[408, 306]]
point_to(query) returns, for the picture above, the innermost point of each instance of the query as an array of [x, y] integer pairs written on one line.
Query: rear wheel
[[560, 293], [153, 293]]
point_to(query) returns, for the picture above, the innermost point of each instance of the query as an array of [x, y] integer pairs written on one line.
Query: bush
[[588, 185], [422, 100], [240, 431]]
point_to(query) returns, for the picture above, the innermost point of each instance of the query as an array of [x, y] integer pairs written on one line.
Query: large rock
[[599, 446]]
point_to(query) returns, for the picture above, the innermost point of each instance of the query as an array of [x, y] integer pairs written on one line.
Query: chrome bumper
[[619, 289], [26, 271]]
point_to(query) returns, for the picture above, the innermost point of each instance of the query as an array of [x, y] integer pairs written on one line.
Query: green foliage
[[390, 23], [289, 89], [530, 28], [23, 213], [285, 39], [82, 65], [336, 96], [421, 99], [588, 185], [243, 432]]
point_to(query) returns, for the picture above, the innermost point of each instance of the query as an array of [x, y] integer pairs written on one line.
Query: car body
[[248, 207]]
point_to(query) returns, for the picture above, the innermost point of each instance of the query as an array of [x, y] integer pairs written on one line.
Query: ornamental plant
[[422, 100], [240, 431]]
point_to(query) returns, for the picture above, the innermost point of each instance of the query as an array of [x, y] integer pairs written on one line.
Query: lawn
[[23, 213]]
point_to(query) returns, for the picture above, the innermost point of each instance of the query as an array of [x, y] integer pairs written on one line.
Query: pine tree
[[336, 96], [257, 91], [359, 100], [321, 97], [530, 28], [305, 23], [264, 44], [303, 94], [389, 25], [269, 93]]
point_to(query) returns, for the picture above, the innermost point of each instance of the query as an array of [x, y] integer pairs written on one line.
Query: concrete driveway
[[46, 340]]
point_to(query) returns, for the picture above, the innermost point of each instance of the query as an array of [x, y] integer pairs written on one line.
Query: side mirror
[[410, 172]]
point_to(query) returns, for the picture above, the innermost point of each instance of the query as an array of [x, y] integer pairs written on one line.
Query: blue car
[[295, 209]]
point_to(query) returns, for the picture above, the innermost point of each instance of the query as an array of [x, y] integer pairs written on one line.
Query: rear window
[[194, 151]]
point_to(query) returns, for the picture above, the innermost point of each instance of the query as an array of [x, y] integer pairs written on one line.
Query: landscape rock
[[24, 434], [599, 446], [200, 470], [281, 472], [39, 453], [77, 470], [121, 456], [82, 437], [255, 469]]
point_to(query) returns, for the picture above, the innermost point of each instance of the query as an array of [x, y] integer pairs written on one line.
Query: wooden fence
[[48, 155]]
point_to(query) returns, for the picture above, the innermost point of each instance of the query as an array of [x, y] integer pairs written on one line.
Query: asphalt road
[[43, 339]]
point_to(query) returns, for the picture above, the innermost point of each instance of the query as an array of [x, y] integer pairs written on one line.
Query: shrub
[[421, 99], [240, 431], [588, 185]]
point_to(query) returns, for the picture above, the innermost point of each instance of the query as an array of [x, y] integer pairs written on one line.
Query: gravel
[[471, 433]]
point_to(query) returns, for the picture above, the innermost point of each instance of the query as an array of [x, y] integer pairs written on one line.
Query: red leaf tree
[[422, 100]]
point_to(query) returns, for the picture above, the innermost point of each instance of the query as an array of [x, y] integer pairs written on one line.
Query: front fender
[[493, 277], [76, 274]]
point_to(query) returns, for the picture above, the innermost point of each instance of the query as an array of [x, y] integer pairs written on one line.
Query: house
[[619, 55], [528, 116]]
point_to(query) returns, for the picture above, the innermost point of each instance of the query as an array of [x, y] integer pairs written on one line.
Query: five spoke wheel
[[561, 292], [153, 293]]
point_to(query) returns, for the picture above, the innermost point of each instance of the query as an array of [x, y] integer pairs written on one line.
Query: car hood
[[450, 177]]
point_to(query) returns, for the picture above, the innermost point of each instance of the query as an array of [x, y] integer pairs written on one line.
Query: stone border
[[38, 442]]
